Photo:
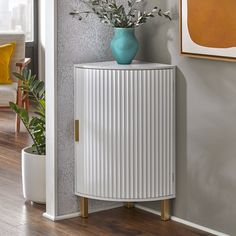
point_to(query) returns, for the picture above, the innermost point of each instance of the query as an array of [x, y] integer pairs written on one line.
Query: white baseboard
[[62, 217], [77, 214], [185, 222]]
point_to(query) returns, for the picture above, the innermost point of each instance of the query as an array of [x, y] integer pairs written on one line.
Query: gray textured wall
[[206, 112], [84, 41], [206, 128]]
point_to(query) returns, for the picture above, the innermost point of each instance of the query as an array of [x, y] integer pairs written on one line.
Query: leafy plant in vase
[[124, 20], [33, 158]]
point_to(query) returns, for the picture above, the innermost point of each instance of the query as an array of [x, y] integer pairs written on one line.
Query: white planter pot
[[33, 176]]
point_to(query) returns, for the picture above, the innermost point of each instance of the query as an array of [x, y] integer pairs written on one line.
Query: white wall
[[41, 40], [51, 108]]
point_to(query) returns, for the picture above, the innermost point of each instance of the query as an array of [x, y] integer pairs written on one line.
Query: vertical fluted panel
[[128, 123]]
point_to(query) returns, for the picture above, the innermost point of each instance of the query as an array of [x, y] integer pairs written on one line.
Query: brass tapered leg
[[84, 207], [165, 210], [129, 205]]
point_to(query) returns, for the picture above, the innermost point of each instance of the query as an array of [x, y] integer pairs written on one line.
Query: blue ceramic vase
[[124, 45]]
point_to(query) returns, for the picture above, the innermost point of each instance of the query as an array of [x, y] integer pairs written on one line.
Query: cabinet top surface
[[112, 65]]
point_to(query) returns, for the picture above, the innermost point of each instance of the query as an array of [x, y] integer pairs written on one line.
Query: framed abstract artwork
[[208, 29]]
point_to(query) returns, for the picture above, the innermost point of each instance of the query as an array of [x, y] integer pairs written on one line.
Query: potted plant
[[124, 44], [33, 158]]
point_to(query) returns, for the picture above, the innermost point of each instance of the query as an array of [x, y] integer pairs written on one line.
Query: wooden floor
[[18, 217]]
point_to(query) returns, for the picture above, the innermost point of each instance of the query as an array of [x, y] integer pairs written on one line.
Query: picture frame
[[200, 36]]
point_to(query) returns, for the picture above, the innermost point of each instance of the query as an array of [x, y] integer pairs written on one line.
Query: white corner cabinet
[[124, 132]]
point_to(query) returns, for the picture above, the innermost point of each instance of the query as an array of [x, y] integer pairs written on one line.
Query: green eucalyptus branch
[[116, 15]]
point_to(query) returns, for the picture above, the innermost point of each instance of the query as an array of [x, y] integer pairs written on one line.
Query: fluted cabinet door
[[126, 147]]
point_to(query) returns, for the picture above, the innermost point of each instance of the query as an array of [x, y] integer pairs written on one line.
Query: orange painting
[[212, 23]]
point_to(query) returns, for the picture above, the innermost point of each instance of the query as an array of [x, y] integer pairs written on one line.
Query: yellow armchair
[[11, 92]]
